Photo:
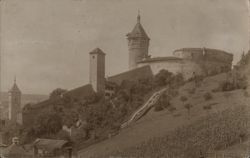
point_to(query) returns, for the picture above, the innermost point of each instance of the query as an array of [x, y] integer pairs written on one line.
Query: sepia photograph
[[124, 78]]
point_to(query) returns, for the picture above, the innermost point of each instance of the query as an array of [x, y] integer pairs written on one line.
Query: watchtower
[[138, 43], [97, 70]]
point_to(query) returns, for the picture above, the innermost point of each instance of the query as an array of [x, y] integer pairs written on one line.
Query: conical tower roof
[[138, 30], [15, 87]]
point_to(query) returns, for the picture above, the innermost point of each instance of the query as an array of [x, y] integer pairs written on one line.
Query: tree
[[207, 108], [171, 109], [163, 78], [177, 80], [57, 93], [188, 107], [48, 123], [244, 60], [242, 136], [10, 130], [183, 99], [158, 107], [207, 96]]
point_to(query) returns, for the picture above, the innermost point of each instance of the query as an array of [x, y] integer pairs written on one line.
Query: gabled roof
[[81, 92], [97, 51], [132, 75], [49, 144], [78, 93], [138, 30]]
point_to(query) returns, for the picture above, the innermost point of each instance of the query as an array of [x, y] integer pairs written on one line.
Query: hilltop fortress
[[187, 61]]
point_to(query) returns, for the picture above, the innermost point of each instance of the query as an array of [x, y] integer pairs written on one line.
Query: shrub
[[198, 80], [227, 86], [208, 96], [192, 91], [188, 107], [158, 107], [171, 109], [177, 80], [163, 78], [163, 102], [173, 92], [246, 94], [237, 82], [207, 107], [183, 98]]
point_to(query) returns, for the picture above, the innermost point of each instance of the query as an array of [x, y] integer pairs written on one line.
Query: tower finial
[[138, 17], [15, 79]]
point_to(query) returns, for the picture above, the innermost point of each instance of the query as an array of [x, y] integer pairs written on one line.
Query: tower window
[[93, 57]]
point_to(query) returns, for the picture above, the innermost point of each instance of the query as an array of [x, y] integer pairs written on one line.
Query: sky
[[46, 43]]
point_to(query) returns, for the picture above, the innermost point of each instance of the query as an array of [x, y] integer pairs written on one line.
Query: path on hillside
[[145, 108], [158, 124]]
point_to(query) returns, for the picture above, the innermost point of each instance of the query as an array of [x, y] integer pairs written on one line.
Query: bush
[[246, 94], [163, 78], [158, 107], [173, 92], [207, 107], [236, 81], [163, 102], [227, 86], [171, 109], [188, 107], [208, 96], [192, 91], [183, 98]]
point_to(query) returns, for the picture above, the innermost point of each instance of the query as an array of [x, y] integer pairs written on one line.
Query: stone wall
[[212, 61], [192, 53], [185, 67], [192, 61], [197, 54], [172, 66]]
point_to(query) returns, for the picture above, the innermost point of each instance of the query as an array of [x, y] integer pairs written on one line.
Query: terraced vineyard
[[213, 132]]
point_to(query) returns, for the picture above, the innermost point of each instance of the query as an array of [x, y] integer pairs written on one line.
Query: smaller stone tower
[[138, 43], [97, 70], [14, 102]]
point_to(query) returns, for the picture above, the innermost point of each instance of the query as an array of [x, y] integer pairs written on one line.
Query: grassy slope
[[242, 148], [157, 124]]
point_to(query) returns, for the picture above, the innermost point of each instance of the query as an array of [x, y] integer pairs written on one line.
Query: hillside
[[159, 124]]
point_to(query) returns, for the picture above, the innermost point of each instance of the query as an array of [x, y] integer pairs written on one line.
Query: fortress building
[[187, 61]]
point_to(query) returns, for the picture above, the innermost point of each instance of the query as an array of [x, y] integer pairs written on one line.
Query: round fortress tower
[[138, 43]]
